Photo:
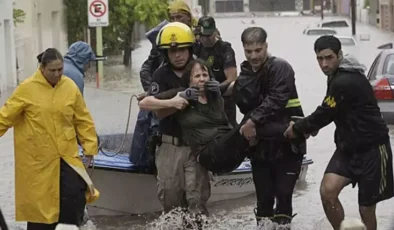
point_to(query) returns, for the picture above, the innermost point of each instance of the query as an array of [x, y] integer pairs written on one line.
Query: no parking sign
[[98, 13]]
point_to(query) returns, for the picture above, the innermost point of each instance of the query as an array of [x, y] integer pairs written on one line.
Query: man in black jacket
[[265, 92], [363, 154]]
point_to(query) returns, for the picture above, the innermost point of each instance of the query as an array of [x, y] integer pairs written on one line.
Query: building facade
[[43, 27], [7, 46]]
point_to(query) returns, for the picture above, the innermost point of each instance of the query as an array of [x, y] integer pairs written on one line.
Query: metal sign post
[[98, 17]]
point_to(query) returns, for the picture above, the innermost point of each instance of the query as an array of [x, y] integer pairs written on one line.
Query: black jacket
[[350, 102], [268, 96], [155, 59]]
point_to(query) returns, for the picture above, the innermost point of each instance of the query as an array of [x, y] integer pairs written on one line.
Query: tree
[[76, 19], [123, 17], [19, 16], [123, 14]]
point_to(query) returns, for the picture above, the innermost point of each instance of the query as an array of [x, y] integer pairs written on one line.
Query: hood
[[351, 64], [80, 53], [246, 67], [181, 6]]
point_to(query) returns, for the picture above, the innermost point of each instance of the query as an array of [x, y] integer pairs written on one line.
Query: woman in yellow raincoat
[[48, 113]]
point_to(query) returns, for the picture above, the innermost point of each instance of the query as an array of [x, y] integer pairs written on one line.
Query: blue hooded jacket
[[78, 55]]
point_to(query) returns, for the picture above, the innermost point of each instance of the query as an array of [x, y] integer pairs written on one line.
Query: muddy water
[[285, 39]]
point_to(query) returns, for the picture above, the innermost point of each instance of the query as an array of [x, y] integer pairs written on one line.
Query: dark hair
[[186, 76], [49, 55], [253, 35], [328, 42]]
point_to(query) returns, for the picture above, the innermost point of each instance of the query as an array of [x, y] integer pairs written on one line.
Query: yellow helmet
[[175, 35]]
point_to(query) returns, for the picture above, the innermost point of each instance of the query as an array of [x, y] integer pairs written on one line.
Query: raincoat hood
[[80, 53], [179, 6], [351, 64]]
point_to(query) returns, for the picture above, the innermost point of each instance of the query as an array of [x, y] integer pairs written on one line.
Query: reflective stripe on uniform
[[292, 103], [383, 165]]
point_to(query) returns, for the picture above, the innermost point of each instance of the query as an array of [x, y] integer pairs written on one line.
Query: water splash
[[177, 219]]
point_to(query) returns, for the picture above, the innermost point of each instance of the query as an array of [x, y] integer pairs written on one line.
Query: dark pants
[[226, 152], [72, 199], [275, 179]]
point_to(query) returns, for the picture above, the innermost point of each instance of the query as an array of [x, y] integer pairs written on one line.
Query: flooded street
[[285, 40]]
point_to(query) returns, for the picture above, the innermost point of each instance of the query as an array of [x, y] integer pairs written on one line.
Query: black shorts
[[371, 170]]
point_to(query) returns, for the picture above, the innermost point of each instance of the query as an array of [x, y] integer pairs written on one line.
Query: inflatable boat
[[124, 190]]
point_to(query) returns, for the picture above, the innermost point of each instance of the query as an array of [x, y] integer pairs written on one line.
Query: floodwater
[[285, 39]]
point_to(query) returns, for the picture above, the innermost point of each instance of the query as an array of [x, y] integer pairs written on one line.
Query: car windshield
[[389, 65], [335, 24], [320, 32], [347, 41]]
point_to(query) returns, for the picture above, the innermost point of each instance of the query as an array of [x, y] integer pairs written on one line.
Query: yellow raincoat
[[46, 121]]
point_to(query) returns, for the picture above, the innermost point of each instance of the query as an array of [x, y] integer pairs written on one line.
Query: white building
[[42, 28], [7, 46]]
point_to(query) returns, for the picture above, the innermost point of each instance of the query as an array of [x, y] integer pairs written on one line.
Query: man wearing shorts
[[363, 154]]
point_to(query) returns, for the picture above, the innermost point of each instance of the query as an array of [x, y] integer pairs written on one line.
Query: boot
[[283, 222], [264, 222]]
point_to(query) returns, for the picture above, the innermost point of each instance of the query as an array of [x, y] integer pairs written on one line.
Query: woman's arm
[[12, 108]]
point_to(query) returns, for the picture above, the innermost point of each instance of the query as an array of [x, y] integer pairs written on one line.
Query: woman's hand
[[212, 86], [89, 160]]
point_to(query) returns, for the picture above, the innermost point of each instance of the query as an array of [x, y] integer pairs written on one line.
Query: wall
[[343, 7], [373, 12], [7, 46], [43, 28], [385, 14]]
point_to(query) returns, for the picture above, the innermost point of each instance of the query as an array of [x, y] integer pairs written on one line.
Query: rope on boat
[[117, 151]]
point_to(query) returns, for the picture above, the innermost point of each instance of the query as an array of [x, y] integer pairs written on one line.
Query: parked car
[[381, 77], [347, 40], [334, 24], [319, 31]]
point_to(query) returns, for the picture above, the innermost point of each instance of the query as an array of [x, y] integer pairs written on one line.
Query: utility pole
[[322, 9], [353, 6]]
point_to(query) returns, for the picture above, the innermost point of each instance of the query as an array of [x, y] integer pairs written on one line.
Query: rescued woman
[[48, 114], [218, 146]]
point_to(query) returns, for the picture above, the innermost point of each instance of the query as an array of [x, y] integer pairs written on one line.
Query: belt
[[172, 140]]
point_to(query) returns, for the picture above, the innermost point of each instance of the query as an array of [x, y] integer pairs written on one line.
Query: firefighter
[[146, 128], [363, 152], [265, 92], [181, 180], [178, 11], [220, 56]]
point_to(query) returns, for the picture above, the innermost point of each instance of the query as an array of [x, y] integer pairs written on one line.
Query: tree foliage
[[19, 16], [123, 14]]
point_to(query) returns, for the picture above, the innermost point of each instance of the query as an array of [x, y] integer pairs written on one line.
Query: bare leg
[[332, 184], [368, 215]]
